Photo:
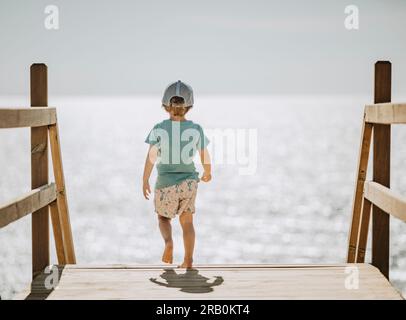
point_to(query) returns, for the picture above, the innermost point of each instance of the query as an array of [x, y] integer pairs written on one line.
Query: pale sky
[[219, 47]]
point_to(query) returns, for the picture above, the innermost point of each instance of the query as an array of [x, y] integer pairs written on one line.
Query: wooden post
[[381, 169], [39, 171]]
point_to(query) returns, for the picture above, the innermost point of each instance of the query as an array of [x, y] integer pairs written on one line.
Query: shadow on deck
[[262, 281]]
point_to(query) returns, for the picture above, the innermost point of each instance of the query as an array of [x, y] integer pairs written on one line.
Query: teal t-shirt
[[177, 142]]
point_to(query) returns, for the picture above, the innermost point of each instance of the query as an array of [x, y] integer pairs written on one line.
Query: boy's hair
[[177, 106]]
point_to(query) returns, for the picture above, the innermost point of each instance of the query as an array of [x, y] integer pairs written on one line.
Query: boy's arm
[[149, 165], [206, 163]]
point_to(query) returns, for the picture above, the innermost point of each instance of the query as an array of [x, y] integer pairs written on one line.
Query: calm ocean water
[[294, 209]]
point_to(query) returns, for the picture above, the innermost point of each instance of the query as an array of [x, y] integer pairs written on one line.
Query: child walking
[[173, 145]]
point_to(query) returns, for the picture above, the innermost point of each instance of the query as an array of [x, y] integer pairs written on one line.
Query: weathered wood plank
[[386, 199], [363, 231], [39, 170], [30, 202], [221, 282], [386, 113], [61, 195], [363, 157], [24, 117], [213, 266], [58, 233]]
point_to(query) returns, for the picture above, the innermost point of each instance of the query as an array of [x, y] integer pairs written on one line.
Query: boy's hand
[[146, 190], [206, 177]]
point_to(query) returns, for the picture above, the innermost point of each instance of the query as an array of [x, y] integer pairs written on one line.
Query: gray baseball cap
[[178, 89]]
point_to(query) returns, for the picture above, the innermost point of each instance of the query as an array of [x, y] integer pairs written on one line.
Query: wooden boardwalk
[[213, 282], [373, 202]]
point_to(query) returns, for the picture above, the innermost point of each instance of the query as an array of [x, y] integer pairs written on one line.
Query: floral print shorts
[[173, 200]]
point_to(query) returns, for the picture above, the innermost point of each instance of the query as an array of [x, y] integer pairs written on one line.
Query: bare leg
[[166, 231], [186, 221]]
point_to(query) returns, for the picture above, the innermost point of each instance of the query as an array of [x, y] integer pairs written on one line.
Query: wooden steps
[[259, 281]]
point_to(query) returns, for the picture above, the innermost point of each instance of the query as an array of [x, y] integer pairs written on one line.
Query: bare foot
[[167, 256], [186, 264]]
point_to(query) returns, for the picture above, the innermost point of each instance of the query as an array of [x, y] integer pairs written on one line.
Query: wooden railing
[[45, 197], [376, 194]]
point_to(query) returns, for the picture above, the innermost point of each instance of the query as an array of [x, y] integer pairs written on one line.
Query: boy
[[173, 145]]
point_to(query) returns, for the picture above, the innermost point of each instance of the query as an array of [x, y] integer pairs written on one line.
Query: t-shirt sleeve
[[203, 140], [152, 137]]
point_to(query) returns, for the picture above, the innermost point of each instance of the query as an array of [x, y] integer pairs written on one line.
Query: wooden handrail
[[27, 117], [28, 203], [386, 113], [386, 199], [45, 198]]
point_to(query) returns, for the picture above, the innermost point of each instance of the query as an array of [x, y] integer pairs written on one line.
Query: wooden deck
[[213, 282]]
